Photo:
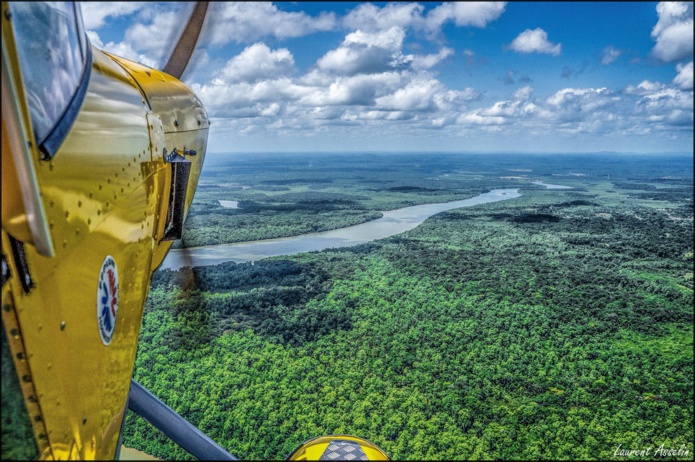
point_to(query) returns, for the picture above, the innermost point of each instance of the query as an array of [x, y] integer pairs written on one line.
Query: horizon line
[[533, 153]]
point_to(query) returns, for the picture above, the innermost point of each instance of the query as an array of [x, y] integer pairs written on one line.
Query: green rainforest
[[556, 325]]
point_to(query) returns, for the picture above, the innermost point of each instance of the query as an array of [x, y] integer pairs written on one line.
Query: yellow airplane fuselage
[[73, 318]]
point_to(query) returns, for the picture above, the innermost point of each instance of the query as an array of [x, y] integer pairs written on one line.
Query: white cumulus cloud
[[125, 50], [366, 52], [673, 32], [581, 104], [258, 62], [250, 21], [684, 79], [648, 108], [428, 61], [155, 36], [645, 87], [418, 95], [476, 14], [523, 93], [360, 90], [535, 41], [152, 32], [371, 18], [610, 54], [94, 14], [94, 39]]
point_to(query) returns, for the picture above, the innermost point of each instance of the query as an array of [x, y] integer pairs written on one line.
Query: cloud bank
[[374, 82]]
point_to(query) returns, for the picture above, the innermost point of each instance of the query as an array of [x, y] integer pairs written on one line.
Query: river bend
[[393, 222]]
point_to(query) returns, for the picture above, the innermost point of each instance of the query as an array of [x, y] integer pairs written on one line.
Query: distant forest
[[558, 325]]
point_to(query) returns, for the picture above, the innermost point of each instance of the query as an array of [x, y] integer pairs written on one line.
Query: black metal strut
[[175, 427]]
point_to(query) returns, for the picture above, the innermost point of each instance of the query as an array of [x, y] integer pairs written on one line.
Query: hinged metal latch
[[175, 152], [180, 171]]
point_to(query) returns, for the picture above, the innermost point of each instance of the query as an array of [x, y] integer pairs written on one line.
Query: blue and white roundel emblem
[[107, 299]]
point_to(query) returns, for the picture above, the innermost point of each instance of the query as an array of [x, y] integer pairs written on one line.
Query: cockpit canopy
[[53, 52]]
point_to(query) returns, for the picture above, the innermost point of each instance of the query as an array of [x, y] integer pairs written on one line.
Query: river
[[393, 222], [551, 186]]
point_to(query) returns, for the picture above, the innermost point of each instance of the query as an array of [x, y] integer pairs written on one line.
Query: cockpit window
[[52, 48]]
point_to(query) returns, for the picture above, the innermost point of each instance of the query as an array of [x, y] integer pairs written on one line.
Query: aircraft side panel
[[184, 123], [100, 191]]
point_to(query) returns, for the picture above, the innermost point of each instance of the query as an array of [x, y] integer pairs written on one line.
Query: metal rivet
[[62, 325], [42, 436], [32, 399], [20, 356], [8, 15], [26, 378], [7, 308], [14, 332], [37, 418]]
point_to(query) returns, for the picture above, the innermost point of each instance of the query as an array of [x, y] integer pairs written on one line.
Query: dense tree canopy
[[558, 325]]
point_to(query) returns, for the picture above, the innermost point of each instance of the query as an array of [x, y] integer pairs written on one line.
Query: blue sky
[[470, 77]]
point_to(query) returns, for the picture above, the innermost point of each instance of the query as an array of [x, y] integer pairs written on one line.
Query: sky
[[430, 77]]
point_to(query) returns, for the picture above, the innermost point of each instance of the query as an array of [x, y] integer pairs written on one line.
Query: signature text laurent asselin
[[661, 451]]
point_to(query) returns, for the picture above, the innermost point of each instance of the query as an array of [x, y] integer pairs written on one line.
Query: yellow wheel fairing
[[338, 447]]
